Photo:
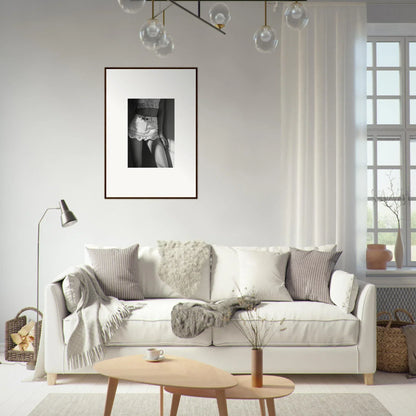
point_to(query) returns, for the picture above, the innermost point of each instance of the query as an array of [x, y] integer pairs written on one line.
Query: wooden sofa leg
[[369, 379], [51, 378]]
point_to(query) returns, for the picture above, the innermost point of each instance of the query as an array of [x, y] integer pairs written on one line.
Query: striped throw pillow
[[117, 271], [309, 274]]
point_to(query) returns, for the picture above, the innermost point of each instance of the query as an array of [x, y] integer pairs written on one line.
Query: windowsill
[[392, 277]]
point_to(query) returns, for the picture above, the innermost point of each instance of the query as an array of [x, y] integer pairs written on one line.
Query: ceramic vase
[[377, 256], [257, 367], [398, 250]]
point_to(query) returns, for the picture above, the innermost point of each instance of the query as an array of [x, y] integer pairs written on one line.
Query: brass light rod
[[195, 15]]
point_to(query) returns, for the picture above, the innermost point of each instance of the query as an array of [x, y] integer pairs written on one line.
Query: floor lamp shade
[[67, 217]]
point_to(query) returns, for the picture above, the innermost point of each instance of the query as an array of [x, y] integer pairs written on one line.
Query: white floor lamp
[[67, 219]]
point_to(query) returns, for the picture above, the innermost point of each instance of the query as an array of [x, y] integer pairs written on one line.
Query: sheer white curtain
[[323, 130]]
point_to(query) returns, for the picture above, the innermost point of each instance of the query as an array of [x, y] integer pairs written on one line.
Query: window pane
[[388, 54], [413, 247], [412, 82], [388, 184], [369, 54], [370, 117], [388, 111], [370, 238], [412, 53], [413, 151], [413, 182], [388, 152], [412, 111], [370, 182], [389, 239], [370, 214], [370, 156], [388, 83], [369, 82], [386, 218], [413, 214]]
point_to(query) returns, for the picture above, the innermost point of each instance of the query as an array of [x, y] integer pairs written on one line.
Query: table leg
[[221, 402], [270, 407], [262, 407], [175, 404], [161, 400], [111, 393]]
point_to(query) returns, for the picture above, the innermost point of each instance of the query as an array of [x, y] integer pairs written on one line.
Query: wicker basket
[[13, 326], [391, 343]]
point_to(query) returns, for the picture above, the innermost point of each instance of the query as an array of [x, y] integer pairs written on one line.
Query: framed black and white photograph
[[150, 133]]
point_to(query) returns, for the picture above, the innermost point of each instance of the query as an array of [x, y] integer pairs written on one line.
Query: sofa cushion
[[225, 267], [309, 273], [154, 287], [307, 324], [262, 274], [150, 326], [117, 270], [343, 290]]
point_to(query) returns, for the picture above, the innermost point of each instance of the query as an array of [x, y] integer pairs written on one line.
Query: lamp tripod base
[[31, 365]]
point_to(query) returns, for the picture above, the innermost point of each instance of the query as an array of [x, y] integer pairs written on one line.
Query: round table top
[[273, 387], [171, 371]]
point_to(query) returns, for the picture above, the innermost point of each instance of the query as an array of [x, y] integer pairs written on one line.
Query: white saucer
[[161, 358]]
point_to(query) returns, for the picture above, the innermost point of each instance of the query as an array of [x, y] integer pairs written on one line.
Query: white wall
[[53, 55]]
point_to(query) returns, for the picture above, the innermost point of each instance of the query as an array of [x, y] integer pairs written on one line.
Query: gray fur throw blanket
[[191, 318], [182, 264]]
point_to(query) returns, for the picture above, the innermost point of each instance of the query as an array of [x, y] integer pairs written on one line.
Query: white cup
[[153, 354]]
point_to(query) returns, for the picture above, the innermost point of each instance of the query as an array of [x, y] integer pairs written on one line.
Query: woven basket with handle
[[13, 326], [391, 342]]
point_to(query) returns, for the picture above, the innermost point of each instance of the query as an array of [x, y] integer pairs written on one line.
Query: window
[[391, 146]]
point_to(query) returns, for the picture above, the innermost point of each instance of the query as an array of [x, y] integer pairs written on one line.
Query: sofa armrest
[[365, 311], [55, 312]]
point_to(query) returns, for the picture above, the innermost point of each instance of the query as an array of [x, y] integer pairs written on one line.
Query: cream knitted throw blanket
[[94, 321]]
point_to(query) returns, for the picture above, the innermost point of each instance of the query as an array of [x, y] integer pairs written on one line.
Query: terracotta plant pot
[[257, 367], [378, 256]]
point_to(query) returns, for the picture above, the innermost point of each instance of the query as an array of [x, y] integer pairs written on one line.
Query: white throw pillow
[[71, 288], [343, 290], [263, 273]]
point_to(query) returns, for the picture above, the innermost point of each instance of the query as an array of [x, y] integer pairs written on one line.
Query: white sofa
[[319, 337]]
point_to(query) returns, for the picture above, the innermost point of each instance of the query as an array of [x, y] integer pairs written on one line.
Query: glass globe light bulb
[[165, 46], [265, 39], [219, 14], [151, 34], [296, 16], [131, 6]]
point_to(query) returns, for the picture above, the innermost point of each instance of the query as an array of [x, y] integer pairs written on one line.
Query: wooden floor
[[19, 395]]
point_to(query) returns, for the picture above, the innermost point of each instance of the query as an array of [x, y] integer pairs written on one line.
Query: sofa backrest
[[225, 280]]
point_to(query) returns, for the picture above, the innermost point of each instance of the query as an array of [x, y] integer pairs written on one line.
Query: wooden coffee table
[[273, 387], [170, 372]]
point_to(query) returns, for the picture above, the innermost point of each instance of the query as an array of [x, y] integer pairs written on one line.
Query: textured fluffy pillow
[[263, 273], [182, 265], [117, 271], [309, 273], [343, 290]]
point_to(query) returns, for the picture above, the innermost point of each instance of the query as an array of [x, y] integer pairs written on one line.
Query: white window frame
[[405, 131]]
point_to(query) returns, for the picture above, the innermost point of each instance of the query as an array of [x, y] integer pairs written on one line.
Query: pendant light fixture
[[152, 32], [219, 15], [166, 45], [296, 16], [131, 6], [265, 38]]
